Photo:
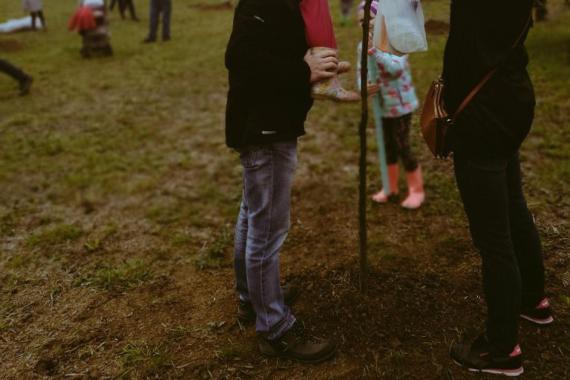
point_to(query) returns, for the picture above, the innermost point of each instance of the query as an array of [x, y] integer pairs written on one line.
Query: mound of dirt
[[437, 27], [225, 5], [10, 45]]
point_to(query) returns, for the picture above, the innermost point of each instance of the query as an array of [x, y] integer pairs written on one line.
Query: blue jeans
[[261, 230], [156, 8]]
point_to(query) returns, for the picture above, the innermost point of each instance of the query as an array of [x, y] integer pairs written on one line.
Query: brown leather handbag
[[435, 120]]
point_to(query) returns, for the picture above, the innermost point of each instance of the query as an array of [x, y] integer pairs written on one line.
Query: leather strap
[[490, 74]]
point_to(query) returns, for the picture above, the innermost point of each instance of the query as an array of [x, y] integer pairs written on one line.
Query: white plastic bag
[[399, 27]]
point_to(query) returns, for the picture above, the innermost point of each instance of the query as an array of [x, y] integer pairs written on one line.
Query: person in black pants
[[485, 139], [541, 10], [158, 7], [24, 79], [124, 5]]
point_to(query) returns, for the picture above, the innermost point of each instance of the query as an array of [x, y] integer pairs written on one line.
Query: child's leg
[[42, 19], [402, 139], [389, 127], [33, 14], [416, 193], [318, 23]]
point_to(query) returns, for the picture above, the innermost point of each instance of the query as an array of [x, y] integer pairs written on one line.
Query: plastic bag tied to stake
[[400, 27]]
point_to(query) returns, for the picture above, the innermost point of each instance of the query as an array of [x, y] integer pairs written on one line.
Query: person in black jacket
[[263, 126], [485, 139]]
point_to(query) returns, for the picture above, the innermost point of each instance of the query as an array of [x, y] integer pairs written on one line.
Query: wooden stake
[[363, 246]]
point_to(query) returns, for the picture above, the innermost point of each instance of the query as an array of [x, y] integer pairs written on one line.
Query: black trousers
[[504, 232], [11, 70], [541, 9], [124, 5], [397, 141]]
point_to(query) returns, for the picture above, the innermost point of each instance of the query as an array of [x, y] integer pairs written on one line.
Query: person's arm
[[359, 66], [389, 63], [248, 51]]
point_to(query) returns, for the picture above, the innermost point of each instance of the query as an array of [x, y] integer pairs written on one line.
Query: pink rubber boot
[[416, 195], [393, 173]]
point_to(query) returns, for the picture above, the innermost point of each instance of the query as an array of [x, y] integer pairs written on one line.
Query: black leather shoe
[[246, 313], [296, 345]]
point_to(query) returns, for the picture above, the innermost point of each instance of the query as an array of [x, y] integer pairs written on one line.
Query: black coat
[[481, 36], [269, 94]]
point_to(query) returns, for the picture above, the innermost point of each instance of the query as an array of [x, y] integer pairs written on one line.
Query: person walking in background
[[268, 45], [540, 10], [125, 5], [23, 79], [158, 8], [35, 9], [485, 140], [398, 101], [345, 8]]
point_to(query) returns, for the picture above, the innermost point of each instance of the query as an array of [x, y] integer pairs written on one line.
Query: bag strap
[[490, 74]]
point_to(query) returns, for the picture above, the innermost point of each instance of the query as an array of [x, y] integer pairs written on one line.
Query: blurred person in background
[[125, 5], [23, 79], [485, 140], [158, 8], [345, 9], [540, 10], [35, 9]]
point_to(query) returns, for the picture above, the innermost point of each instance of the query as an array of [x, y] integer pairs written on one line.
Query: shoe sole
[[541, 322], [505, 372]]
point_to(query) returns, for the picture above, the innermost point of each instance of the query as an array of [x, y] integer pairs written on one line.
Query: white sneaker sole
[[506, 372], [541, 322]]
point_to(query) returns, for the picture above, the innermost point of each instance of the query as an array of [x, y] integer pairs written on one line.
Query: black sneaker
[[540, 314], [246, 313], [479, 357], [295, 344], [26, 85], [149, 40]]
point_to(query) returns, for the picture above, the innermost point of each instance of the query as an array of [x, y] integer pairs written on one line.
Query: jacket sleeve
[[390, 63], [249, 52]]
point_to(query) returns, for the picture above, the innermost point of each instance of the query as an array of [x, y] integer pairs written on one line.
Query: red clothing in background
[[318, 23]]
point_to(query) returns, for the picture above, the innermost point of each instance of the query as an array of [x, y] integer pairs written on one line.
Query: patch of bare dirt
[[11, 45], [437, 27]]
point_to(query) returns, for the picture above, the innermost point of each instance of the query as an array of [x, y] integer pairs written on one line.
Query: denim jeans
[[504, 232], [261, 230], [158, 7]]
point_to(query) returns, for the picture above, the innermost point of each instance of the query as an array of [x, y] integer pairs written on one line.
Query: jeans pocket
[[253, 157]]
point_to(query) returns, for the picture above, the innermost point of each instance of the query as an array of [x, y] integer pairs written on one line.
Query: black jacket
[[481, 36], [269, 94]]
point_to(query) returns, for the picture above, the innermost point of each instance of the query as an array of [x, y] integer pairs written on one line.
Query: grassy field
[[118, 197]]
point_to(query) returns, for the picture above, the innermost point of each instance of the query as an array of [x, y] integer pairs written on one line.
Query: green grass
[[59, 234], [121, 277]]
